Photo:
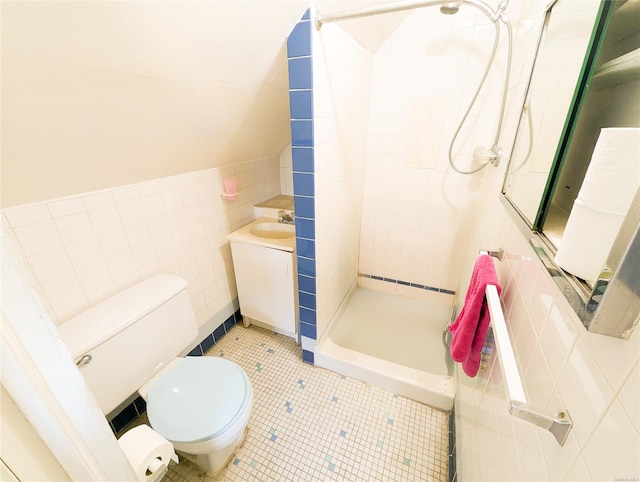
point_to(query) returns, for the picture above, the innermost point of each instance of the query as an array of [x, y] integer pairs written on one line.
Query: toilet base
[[213, 463]]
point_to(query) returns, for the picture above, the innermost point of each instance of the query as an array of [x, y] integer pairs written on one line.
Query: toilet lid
[[198, 399]]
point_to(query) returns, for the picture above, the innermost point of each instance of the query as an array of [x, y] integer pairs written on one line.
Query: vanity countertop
[[282, 201], [285, 242]]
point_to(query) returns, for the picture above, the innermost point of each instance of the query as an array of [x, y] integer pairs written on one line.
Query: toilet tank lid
[[106, 319]]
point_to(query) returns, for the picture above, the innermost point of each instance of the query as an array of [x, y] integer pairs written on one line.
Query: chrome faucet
[[285, 218]]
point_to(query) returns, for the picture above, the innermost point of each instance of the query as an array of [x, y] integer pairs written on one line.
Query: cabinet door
[[265, 279]]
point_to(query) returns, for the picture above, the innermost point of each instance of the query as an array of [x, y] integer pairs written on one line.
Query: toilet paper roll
[[609, 185], [147, 451]]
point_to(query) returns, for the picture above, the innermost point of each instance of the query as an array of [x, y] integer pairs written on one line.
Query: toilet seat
[[198, 399]]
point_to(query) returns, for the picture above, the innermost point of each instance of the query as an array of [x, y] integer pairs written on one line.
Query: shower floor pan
[[392, 342]]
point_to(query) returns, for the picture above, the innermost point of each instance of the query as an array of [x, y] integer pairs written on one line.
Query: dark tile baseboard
[[453, 475]]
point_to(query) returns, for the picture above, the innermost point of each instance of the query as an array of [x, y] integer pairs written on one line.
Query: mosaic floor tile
[[311, 424]]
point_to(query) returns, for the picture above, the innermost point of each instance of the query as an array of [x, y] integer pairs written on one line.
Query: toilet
[[130, 343]]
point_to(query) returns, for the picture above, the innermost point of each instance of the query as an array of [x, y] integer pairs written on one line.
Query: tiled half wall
[[329, 82], [299, 55], [84, 248]]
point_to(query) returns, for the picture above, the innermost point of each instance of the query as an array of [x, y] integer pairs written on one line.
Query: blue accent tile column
[[299, 54]]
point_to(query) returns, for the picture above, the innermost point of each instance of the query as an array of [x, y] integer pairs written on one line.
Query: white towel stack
[[611, 181]]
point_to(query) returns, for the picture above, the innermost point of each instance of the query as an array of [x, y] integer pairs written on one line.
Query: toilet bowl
[[202, 406], [130, 342]]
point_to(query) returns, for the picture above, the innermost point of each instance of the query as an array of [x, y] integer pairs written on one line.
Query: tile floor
[[311, 424]]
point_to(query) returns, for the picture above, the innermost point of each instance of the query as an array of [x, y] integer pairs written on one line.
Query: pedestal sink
[[273, 230]]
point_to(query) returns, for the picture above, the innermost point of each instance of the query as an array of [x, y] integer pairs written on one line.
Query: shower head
[[450, 8]]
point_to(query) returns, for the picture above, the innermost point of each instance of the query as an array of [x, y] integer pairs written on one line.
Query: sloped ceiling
[[102, 94], [371, 32]]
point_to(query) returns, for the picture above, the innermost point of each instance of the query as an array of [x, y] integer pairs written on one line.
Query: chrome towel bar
[[558, 422], [494, 254]]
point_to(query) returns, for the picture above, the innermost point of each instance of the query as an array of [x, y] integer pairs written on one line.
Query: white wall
[[22, 448], [417, 212], [556, 74], [341, 84], [286, 171], [596, 378], [103, 94], [82, 249], [119, 120]]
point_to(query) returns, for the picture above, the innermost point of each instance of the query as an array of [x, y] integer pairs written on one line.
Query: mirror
[[563, 42], [570, 107]]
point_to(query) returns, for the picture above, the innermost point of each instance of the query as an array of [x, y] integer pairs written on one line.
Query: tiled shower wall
[[417, 212], [83, 249], [342, 82]]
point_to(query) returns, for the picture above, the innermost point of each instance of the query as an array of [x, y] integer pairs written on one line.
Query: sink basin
[[273, 230]]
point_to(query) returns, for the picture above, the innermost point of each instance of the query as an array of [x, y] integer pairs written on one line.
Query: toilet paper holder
[[148, 453], [157, 470]]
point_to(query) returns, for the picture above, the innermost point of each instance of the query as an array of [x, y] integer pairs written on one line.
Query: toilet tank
[[122, 342]]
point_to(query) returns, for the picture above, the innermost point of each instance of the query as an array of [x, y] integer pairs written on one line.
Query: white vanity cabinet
[[266, 278]]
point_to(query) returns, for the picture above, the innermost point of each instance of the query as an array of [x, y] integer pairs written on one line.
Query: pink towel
[[470, 328]]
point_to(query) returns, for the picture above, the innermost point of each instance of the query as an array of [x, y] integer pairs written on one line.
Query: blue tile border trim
[[308, 316], [307, 300], [127, 415], [302, 133], [306, 284], [306, 267], [305, 228], [299, 40], [138, 407], [300, 73], [453, 475], [301, 104], [303, 184], [307, 356], [306, 248], [300, 63], [407, 283], [302, 159], [308, 330]]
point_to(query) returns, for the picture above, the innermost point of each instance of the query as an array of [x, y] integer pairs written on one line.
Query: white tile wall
[[592, 376], [596, 378], [286, 171], [417, 212], [341, 83], [560, 63], [82, 249]]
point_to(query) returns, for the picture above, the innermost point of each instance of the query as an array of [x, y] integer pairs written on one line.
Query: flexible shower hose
[[502, 17], [527, 107]]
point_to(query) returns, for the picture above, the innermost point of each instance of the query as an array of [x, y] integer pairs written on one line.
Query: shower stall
[[382, 217]]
